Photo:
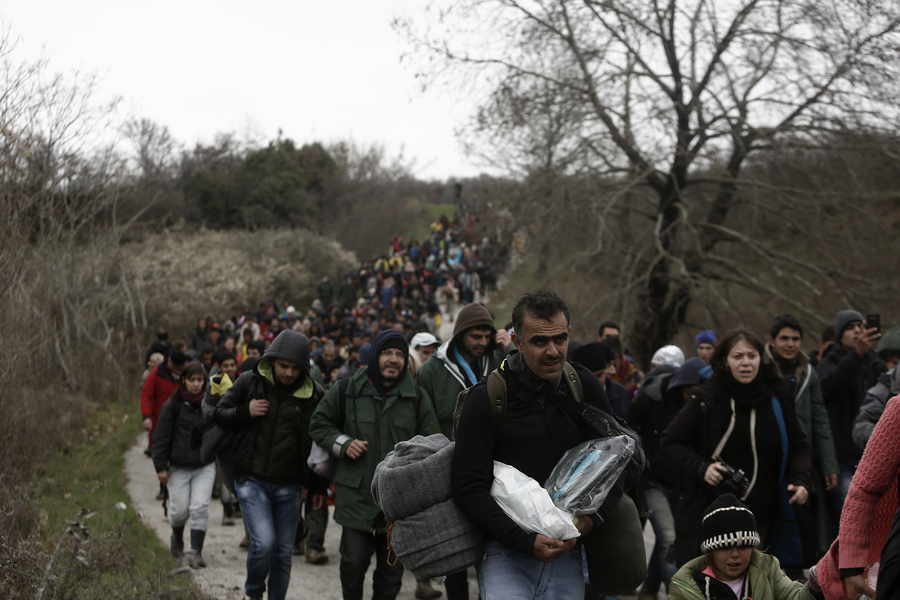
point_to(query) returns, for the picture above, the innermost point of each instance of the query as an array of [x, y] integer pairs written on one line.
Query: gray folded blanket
[[413, 476], [430, 534]]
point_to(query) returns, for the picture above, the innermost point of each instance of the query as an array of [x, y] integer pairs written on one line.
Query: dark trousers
[[357, 548]]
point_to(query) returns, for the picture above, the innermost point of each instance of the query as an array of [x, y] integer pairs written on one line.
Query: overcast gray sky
[[320, 71]]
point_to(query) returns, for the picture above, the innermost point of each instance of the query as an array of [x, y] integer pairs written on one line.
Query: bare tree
[[664, 106]]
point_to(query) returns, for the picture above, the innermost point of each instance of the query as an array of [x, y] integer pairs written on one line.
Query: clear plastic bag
[[529, 505], [586, 473]]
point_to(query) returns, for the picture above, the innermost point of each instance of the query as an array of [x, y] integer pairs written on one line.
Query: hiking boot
[[245, 543], [317, 557], [195, 559], [227, 521], [424, 590], [249, 597], [176, 544]]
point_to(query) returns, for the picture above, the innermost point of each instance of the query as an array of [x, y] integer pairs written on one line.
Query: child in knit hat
[[731, 567]]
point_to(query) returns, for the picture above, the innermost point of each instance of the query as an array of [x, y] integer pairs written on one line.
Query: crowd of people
[[751, 442]]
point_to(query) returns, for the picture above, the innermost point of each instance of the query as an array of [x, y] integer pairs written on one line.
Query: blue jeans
[[839, 494], [508, 574], [271, 512], [660, 501]]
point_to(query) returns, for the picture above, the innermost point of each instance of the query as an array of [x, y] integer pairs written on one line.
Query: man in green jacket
[[476, 349], [786, 336], [360, 421]]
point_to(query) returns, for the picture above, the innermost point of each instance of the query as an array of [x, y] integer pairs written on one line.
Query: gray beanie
[[844, 318]]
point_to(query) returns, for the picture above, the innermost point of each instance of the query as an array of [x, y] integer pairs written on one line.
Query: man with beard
[[360, 421], [476, 349]]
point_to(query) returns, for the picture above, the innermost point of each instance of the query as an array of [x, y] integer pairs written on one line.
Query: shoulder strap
[[573, 381], [496, 387]]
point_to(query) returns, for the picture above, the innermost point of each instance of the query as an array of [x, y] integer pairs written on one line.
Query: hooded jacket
[[651, 412], [766, 582], [161, 383], [273, 446], [382, 421], [443, 380]]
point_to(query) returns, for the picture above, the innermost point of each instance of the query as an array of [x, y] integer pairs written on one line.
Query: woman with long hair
[[740, 434]]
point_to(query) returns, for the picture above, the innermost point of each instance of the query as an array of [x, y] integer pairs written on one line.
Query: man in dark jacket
[[379, 408], [846, 370], [535, 433], [269, 409]]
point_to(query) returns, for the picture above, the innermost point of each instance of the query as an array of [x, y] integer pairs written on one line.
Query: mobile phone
[[873, 321]]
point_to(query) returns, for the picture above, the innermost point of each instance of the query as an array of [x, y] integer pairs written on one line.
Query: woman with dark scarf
[[180, 467], [740, 434]]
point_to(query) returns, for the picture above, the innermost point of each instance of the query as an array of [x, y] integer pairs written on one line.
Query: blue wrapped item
[[585, 474]]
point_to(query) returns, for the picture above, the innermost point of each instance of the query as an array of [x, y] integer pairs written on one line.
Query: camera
[[733, 480]]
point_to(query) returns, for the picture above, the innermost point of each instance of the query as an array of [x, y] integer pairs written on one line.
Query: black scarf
[[788, 369], [749, 394]]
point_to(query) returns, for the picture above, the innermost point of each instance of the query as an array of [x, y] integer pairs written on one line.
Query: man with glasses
[[360, 420]]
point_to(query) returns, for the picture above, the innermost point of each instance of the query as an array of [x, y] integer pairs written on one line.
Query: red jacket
[[160, 384]]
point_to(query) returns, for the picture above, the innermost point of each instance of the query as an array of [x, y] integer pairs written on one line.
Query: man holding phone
[[847, 369]]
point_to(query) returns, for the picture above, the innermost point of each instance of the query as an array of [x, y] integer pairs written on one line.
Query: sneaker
[[317, 557], [195, 560], [176, 546], [245, 543], [227, 521], [424, 590]]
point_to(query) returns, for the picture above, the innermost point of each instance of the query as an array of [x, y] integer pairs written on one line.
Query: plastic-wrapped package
[[529, 505], [586, 473]]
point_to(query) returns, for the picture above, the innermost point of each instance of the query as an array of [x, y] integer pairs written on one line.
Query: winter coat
[[534, 435], [274, 446], [443, 380], [813, 418], [158, 387], [766, 582], [383, 422], [172, 442], [873, 406], [651, 412], [690, 441], [845, 376]]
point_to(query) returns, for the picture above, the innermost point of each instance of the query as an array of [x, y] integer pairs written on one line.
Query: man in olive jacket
[[476, 349], [380, 406], [269, 409]]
